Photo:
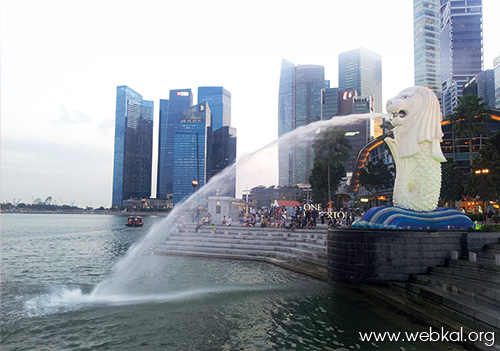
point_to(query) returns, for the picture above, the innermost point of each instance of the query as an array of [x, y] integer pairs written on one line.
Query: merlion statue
[[417, 153], [416, 148]]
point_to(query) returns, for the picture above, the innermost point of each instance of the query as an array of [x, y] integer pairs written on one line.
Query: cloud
[[74, 117], [106, 126]]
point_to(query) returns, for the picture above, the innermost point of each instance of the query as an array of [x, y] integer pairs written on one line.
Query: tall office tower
[[426, 44], [482, 85], [496, 69], [299, 104], [133, 146], [361, 69], [224, 136], [223, 156], [179, 101], [461, 48], [161, 184], [192, 156], [329, 103], [219, 100]]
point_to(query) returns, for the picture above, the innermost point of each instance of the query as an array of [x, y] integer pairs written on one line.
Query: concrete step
[[182, 245], [466, 274], [488, 254], [320, 234], [493, 247], [481, 266], [478, 311], [312, 238], [217, 252], [487, 292], [242, 242]]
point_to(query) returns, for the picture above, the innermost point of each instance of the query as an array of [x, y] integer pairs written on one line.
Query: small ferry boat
[[134, 221]]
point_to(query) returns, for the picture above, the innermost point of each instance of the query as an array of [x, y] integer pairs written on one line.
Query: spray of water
[[132, 279], [253, 164]]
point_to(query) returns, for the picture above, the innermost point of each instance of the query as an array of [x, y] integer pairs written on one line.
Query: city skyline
[[62, 61]]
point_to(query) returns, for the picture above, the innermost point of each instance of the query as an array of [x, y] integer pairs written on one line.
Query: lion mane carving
[[416, 148]]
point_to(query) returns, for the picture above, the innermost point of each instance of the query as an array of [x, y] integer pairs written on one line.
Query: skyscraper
[[223, 137], [179, 101], [133, 146], [426, 44], [496, 70], [361, 69], [329, 103], [219, 100], [483, 85], [224, 155], [161, 184], [461, 38], [192, 155], [299, 104]]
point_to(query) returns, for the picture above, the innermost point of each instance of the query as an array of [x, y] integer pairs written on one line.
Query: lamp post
[[482, 172], [194, 183]]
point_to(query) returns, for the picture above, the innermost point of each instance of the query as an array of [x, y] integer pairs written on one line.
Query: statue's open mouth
[[400, 114]]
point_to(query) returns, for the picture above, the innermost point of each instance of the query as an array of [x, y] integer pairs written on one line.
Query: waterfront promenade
[[301, 250]]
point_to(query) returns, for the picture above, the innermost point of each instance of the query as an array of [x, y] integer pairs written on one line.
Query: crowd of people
[[298, 217]]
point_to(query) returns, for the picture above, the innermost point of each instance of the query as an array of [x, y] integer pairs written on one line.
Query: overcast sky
[[61, 62]]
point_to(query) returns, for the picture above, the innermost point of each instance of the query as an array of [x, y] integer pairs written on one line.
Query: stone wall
[[475, 241], [377, 256]]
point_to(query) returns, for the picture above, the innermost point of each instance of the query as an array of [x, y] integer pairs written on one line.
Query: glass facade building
[[180, 100], [299, 104], [461, 37], [426, 44], [329, 103], [483, 85], [161, 187], [132, 165], [180, 124], [219, 100], [224, 155], [496, 70], [361, 69], [192, 156]]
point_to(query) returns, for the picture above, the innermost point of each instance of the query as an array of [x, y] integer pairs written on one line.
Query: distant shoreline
[[89, 212]]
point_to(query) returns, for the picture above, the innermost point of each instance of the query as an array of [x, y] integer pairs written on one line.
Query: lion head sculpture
[[416, 118]]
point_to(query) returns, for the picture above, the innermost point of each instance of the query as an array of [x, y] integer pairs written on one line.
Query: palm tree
[[469, 117]]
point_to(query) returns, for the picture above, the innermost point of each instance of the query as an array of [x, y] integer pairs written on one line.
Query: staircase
[[460, 294], [303, 251]]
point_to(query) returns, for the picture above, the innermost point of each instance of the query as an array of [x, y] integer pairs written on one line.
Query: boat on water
[[134, 221]]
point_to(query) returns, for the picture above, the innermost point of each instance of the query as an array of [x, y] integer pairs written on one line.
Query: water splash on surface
[[65, 299]]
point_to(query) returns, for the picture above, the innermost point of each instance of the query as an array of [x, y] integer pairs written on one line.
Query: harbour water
[[51, 264]]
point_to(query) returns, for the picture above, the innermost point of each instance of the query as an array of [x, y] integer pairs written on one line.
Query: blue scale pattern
[[388, 217]]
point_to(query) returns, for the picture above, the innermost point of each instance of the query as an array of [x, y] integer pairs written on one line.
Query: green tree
[[376, 176], [331, 148], [469, 117], [451, 182], [486, 183], [319, 179]]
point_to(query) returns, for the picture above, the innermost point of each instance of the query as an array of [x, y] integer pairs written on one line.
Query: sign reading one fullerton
[[331, 214]]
